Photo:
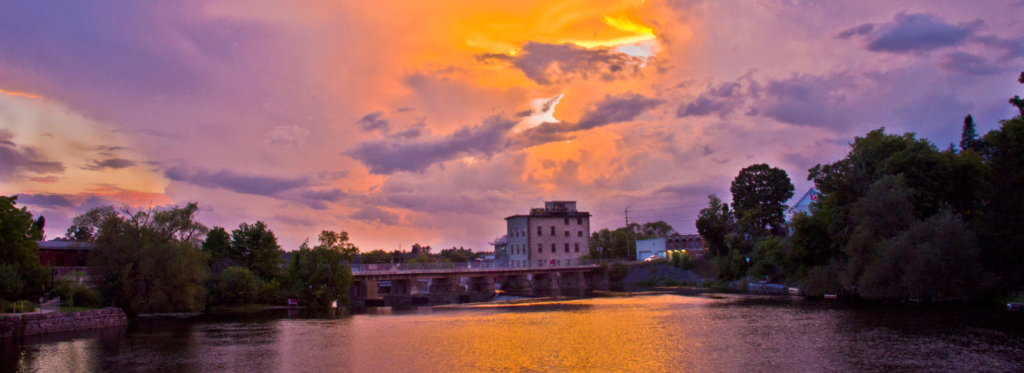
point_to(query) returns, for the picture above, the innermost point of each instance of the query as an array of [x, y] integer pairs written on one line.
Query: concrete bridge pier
[[573, 284], [481, 289], [516, 284], [400, 297], [445, 290], [362, 291], [546, 284]]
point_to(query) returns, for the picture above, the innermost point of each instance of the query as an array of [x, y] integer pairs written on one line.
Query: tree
[[1016, 100], [376, 256], [236, 285], [256, 248], [713, 223], [10, 282], [18, 236], [319, 275], [969, 135], [654, 229], [218, 246], [148, 261], [338, 242], [759, 194]]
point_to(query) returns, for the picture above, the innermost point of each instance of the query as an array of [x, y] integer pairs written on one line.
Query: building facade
[[63, 253], [553, 236], [659, 247]]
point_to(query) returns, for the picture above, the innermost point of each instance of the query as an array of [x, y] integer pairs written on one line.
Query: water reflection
[[651, 334]]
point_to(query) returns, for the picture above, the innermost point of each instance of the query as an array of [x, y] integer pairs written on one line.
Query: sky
[[428, 122]]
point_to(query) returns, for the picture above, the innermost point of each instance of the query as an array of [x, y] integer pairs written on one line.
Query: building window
[[579, 221], [540, 263], [566, 247], [567, 233], [577, 247], [540, 248], [566, 221], [540, 231], [579, 233], [553, 247], [552, 230]]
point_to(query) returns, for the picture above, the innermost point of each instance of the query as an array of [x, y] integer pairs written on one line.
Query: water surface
[[664, 333]]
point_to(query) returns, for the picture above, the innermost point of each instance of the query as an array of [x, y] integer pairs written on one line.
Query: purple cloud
[[112, 164], [537, 59], [14, 159], [373, 122], [386, 157]]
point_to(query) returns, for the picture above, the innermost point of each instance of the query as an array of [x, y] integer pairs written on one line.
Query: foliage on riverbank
[[897, 219]]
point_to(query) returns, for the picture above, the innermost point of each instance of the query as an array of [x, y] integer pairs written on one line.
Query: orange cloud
[[22, 94]]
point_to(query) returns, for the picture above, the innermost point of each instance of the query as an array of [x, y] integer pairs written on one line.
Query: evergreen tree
[[969, 135]]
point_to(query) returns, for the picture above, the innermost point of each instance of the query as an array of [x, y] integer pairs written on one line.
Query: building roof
[[63, 245], [547, 214]]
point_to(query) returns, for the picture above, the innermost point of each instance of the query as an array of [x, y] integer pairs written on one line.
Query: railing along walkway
[[413, 268]]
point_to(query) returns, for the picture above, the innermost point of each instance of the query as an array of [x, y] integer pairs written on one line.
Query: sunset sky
[[428, 122]]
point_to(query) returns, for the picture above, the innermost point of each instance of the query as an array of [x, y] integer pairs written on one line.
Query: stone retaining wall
[[39, 324]]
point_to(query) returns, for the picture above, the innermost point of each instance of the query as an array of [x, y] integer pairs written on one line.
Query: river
[[660, 333]]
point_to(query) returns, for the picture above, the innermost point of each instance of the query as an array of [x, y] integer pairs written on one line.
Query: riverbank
[[22, 325]]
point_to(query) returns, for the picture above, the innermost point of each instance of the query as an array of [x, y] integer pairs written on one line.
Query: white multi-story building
[[556, 235], [659, 247]]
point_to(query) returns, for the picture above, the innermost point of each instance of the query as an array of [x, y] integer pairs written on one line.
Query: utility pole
[[629, 235]]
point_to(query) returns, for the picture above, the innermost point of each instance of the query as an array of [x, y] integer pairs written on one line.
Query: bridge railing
[[472, 266]]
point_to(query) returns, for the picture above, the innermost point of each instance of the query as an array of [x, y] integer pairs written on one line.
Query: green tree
[[11, 283], [376, 257], [969, 135], [319, 273], [149, 261], [338, 242], [759, 194], [236, 286], [999, 225], [218, 246], [714, 223], [256, 248], [18, 247]]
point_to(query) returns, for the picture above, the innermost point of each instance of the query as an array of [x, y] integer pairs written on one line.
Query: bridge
[[398, 285]]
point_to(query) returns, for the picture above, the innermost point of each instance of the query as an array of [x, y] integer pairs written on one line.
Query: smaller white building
[[659, 247]]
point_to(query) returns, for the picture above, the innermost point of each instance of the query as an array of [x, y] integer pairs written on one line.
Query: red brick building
[[63, 253]]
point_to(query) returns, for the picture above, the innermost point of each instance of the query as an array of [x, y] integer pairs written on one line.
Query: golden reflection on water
[[664, 333]]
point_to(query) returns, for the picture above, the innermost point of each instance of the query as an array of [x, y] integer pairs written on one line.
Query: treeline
[[21, 274], [621, 242], [421, 254], [896, 219], [166, 261]]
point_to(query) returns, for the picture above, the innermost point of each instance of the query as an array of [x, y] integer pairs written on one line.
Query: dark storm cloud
[[559, 63], [373, 122], [616, 109], [371, 214], [969, 64], [112, 164], [611, 109], [386, 157], [295, 189], [911, 33], [719, 100], [14, 159], [236, 182], [46, 200], [859, 30]]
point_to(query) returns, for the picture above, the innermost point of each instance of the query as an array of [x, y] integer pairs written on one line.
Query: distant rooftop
[[63, 245], [556, 208]]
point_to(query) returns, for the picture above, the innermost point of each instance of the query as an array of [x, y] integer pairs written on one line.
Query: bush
[[236, 286], [74, 294], [10, 282], [617, 272]]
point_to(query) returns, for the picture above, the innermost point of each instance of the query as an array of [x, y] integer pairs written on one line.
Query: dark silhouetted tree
[[759, 195]]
